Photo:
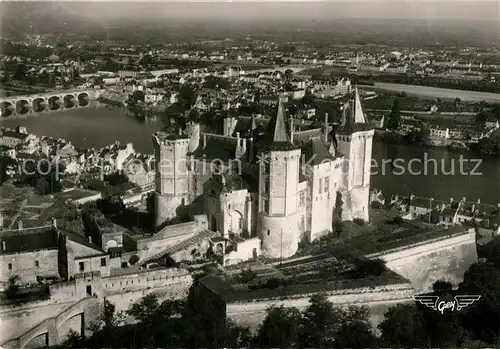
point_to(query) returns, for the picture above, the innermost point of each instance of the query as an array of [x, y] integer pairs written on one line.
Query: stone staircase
[[170, 250]]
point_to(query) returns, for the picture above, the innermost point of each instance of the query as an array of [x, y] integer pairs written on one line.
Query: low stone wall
[[378, 299]]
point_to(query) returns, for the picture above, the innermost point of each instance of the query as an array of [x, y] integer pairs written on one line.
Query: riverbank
[[398, 139]]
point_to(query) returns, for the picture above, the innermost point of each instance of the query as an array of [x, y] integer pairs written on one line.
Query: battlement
[[170, 139]]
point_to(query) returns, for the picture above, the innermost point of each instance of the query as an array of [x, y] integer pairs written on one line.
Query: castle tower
[[354, 138], [278, 182], [193, 132], [229, 125], [172, 176]]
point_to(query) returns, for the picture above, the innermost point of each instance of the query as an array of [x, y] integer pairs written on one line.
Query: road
[[427, 113]]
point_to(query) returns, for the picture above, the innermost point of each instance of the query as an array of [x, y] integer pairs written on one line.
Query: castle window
[[267, 167], [268, 232], [37, 264], [266, 186], [327, 184], [10, 266], [81, 266], [320, 185], [265, 204], [103, 262], [302, 198]]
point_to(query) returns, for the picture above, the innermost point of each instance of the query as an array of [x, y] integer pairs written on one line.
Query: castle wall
[[379, 299], [279, 235], [234, 210], [447, 258], [246, 250], [359, 203], [24, 265], [322, 200]]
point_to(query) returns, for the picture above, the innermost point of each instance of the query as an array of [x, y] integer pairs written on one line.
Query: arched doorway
[[111, 244], [213, 224], [236, 222]]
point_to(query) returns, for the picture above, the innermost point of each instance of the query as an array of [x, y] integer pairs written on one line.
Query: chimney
[[292, 131], [451, 200], [478, 201], [20, 225], [3, 246], [204, 140], [180, 131], [464, 199], [54, 223], [90, 239], [238, 139]]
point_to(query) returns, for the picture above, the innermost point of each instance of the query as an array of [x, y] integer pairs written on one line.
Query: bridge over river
[[37, 103]]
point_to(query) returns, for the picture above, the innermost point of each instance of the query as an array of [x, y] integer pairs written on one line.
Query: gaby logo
[[458, 303]]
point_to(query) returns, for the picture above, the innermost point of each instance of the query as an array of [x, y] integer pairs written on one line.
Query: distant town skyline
[[294, 10]]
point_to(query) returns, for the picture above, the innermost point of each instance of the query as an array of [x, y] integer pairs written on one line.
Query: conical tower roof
[[353, 117], [277, 125], [277, 136]]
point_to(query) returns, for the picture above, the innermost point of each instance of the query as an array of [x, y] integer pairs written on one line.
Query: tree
[[483, 317], [186, 97], [308, 98], [106, 326], [193, 115], [13, 286], [355, 329], [366, 268], [154, 319], [490, 145], [280, 328], [395, 116], [320, 323], [402, 326]]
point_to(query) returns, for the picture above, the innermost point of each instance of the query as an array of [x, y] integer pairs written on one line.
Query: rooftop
[[28, 240]]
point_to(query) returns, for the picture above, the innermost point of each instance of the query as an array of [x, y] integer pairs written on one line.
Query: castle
[[278, 182]]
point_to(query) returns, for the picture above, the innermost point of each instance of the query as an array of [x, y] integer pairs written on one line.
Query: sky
[[293, 10]]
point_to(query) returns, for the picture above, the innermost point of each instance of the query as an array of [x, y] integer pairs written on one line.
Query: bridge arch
[[39, 104], [6, 109], [83, 99], [55, 103], [69, 101], [22, 106]]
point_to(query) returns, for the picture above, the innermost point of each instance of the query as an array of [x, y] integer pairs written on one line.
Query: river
[[97, 127], [435, 92]]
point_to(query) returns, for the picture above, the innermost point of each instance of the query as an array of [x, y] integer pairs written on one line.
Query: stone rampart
[[424, 263]]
